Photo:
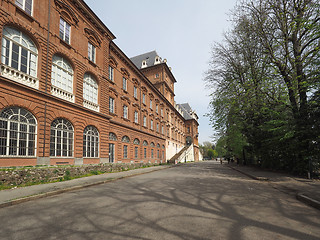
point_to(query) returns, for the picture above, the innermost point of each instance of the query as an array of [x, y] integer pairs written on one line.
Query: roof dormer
[[157, 60], [144, 64]]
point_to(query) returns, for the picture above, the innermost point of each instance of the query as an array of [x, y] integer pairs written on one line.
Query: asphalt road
[[192, 201]]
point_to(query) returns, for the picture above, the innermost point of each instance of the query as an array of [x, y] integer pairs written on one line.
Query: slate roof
[[186, 111], [149, 57]]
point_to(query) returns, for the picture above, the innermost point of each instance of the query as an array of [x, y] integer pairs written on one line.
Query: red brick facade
[[78, 106]]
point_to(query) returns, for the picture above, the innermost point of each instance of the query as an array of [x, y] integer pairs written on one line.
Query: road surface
[[193, 201]]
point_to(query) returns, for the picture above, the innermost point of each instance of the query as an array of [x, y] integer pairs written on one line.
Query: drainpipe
[[46, 82]]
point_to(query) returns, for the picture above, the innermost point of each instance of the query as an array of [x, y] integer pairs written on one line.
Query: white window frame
[[143, 98], [136, 117], [125, 151], [111, 73], [111, 105], [62, 74], [90, 142], [23, 5], [136, 152], [124, 83], [64, 28], [91, 52], [125, 111], [90, 89], [151, 124], [61, 138], [144, 121], [14, 38], [135, 92], [18, 133]]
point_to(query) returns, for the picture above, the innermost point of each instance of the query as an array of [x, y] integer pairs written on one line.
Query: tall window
[[17, 132], [161, 112], [90, 89], [151, 124], [62, 74], [125, 151], [124, 83], [136, 117], [26, 5], [144, 121], [136, 152], [162, 129], [90, 142], [64, 31], [91, 52], [157, 127], [125, 111], [61, 138], [111, 73], [143, 98], [151, 153], [145, 152], [135, 92], [111, 105], [150, 103], [19, 51], [157, 108]]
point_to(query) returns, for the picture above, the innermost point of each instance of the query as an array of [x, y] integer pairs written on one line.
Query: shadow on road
[[192, 201]]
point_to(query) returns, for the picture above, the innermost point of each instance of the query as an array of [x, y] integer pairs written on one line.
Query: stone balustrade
[[18, 76]]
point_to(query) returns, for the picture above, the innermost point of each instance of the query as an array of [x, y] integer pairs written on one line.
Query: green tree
[[261, 77]]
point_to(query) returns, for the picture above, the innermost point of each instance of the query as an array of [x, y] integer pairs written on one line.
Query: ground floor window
[[125, 151], [145, 152], [61, 138], [136, 152], [90, 142], [17, 132]]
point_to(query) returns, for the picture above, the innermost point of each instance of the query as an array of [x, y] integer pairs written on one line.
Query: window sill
[[65, 43], [112, 114], [92, 63], [23, 13]]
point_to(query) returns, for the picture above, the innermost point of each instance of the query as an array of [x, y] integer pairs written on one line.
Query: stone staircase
[[182, 155]]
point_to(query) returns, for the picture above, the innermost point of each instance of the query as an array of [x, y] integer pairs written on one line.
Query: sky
[[181, 31]]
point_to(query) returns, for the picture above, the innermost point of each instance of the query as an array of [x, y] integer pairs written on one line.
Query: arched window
[[61, 138], [125, 139], [152, 144], [62, 78], [136, 141], [90, 142], [145, 143], [90, 89], [19, 51], [17, 132], [112, 137]]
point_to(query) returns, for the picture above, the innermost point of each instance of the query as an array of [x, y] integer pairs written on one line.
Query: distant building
[[69, 95]]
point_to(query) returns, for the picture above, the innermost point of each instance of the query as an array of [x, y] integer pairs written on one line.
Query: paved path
[[191, 201], [305, 190]]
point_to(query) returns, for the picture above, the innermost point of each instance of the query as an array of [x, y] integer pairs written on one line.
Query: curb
[[299, 196], [309, 201], [249, 175], [69, 189]]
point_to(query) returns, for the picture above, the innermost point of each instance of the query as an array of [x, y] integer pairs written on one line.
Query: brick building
[[69, 95]]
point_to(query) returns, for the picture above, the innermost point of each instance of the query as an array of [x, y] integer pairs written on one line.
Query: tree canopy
[[265, 84]]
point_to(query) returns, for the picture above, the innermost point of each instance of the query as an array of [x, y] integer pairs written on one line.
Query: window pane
[[19, 3], [28, 7], [15, 56]]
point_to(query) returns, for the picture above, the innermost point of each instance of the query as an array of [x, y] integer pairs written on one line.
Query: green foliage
[[265, 85]]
